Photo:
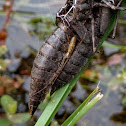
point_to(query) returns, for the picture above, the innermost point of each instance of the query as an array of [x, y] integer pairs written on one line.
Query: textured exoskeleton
[[86, 21]]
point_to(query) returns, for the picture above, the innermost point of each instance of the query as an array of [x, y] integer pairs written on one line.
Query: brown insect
[[81, 25]]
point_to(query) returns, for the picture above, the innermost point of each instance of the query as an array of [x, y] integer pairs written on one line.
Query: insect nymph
[[80, 29]]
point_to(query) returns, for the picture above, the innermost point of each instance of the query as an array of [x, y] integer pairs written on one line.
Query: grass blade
[[81, 111], [74, 115], [110, 45]]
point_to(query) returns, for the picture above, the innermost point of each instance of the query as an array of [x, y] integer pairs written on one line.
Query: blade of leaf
[[82, 110], [55, 103], [80, 107], [63, 92], [110, 45]]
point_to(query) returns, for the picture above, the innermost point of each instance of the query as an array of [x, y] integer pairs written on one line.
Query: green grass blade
[[110, 45], [62, 93], [79, 109], [53, 106]]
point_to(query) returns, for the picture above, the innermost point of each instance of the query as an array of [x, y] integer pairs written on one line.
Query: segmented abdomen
[[45, 65], [73, 67], [48, 61]]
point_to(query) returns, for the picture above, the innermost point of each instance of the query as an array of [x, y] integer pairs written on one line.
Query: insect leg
[[114, 31], [61, 9], [83, 39], [92, 29], [114, 7], [119, 3], [115, 27], [64, 16], [93, 33], [58, 15], [107, 4]]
